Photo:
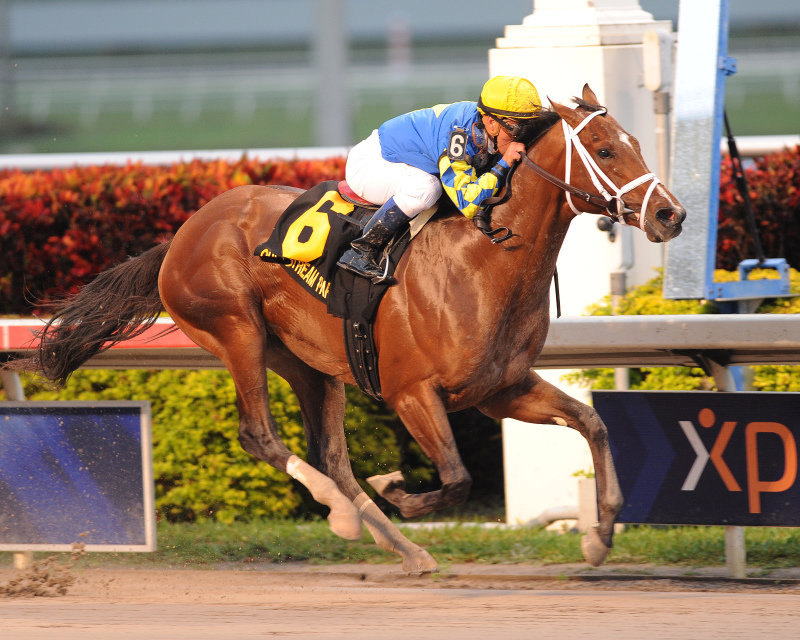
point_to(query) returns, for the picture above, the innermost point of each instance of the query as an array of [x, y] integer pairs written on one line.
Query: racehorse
[[462, 327]]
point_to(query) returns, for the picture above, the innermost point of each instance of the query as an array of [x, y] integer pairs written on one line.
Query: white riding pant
[[376, 179]]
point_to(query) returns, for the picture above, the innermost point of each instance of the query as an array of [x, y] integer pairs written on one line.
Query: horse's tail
[[119, 304]]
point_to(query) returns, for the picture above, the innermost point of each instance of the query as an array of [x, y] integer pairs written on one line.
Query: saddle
[[351, 196], [310, 237]]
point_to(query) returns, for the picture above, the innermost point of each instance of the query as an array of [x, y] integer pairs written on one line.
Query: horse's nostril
[[671, 216]]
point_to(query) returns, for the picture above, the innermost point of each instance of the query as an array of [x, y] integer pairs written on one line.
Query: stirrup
[[384, 278], [366, 268], [360, 265]]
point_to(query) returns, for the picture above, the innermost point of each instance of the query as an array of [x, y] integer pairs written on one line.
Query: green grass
[[207, 543], [760, 109], [168, 130], [754, 109], [272, 124]]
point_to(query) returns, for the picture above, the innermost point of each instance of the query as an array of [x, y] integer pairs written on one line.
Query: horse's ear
[[556, 106], [565, 112], [589, 96]]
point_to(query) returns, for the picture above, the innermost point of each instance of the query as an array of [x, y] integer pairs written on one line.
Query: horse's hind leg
[[322, 403], [259, 437], [239, 338], [425, 418], [539, 402]]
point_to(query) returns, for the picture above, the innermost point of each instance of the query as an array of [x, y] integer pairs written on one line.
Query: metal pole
[[622, 377], [735, 547], [7, 88], [12, 385], [735, 552], [661, 109], [332, 118], [14, 391]]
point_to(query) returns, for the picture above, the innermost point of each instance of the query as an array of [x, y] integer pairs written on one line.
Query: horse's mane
[[588, 106], [531, 130]]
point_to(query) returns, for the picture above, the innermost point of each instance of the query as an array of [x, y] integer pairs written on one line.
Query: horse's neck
[[512, 277], [537, 214]]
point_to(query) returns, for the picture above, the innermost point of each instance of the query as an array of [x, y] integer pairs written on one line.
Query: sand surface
[[376, 601]]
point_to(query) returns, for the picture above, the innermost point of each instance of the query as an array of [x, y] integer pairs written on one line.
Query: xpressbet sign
[[705, 458]]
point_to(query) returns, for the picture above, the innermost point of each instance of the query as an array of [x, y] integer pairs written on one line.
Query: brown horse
[[462, 327]]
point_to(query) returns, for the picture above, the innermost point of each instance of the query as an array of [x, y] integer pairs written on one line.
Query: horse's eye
[[604, 153]]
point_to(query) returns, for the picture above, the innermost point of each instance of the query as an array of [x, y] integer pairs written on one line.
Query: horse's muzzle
[[669, 221], [671, 216]]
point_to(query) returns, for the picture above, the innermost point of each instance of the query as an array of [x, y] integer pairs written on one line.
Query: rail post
[[14, 391], [735, 547]]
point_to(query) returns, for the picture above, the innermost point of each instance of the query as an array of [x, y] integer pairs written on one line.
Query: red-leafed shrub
[[774, 188], [59, 228]]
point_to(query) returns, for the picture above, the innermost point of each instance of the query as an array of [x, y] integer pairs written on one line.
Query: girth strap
[[362, 356]]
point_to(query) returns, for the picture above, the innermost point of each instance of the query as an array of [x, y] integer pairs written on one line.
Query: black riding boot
[[361, 257]]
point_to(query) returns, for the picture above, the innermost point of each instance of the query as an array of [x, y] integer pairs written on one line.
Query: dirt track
[[376, 602]]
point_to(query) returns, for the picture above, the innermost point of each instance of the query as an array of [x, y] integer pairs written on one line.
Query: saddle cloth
[[313, 233]]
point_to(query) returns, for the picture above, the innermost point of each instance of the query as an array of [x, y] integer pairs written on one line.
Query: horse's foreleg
[[423, 414], [322, 403], [539, 402], [388, 537]]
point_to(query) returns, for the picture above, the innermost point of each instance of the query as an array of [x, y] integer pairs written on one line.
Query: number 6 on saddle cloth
[[308, 240]]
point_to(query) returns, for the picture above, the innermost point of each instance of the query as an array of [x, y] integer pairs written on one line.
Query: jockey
[[465, 148]]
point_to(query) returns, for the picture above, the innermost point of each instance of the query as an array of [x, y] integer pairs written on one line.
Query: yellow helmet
[[509, 97]]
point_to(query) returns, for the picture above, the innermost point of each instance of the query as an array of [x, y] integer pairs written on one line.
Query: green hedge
[[199, 467], [201, 471]]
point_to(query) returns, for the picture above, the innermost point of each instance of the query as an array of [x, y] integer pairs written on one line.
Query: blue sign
[[705, 458], [76, 473]]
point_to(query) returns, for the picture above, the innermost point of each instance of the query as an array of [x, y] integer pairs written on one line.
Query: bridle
[[612, 204]]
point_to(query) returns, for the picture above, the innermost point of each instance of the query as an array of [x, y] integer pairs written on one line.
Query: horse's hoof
[[594, 550], [419, 561], [389, 480], [345, 522]]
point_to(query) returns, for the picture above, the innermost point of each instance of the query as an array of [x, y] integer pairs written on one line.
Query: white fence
[[749, 146], [45, 161]]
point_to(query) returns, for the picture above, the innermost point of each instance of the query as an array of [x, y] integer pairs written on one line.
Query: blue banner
[[75, 472], [705, 458]]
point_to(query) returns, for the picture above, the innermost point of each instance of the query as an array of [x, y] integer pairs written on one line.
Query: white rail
[[749, 146], [582, 342], [756, 146], [46, 161]]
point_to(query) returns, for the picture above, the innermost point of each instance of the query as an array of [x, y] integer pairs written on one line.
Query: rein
[[482, 219], [612, 205], [591, 198]]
